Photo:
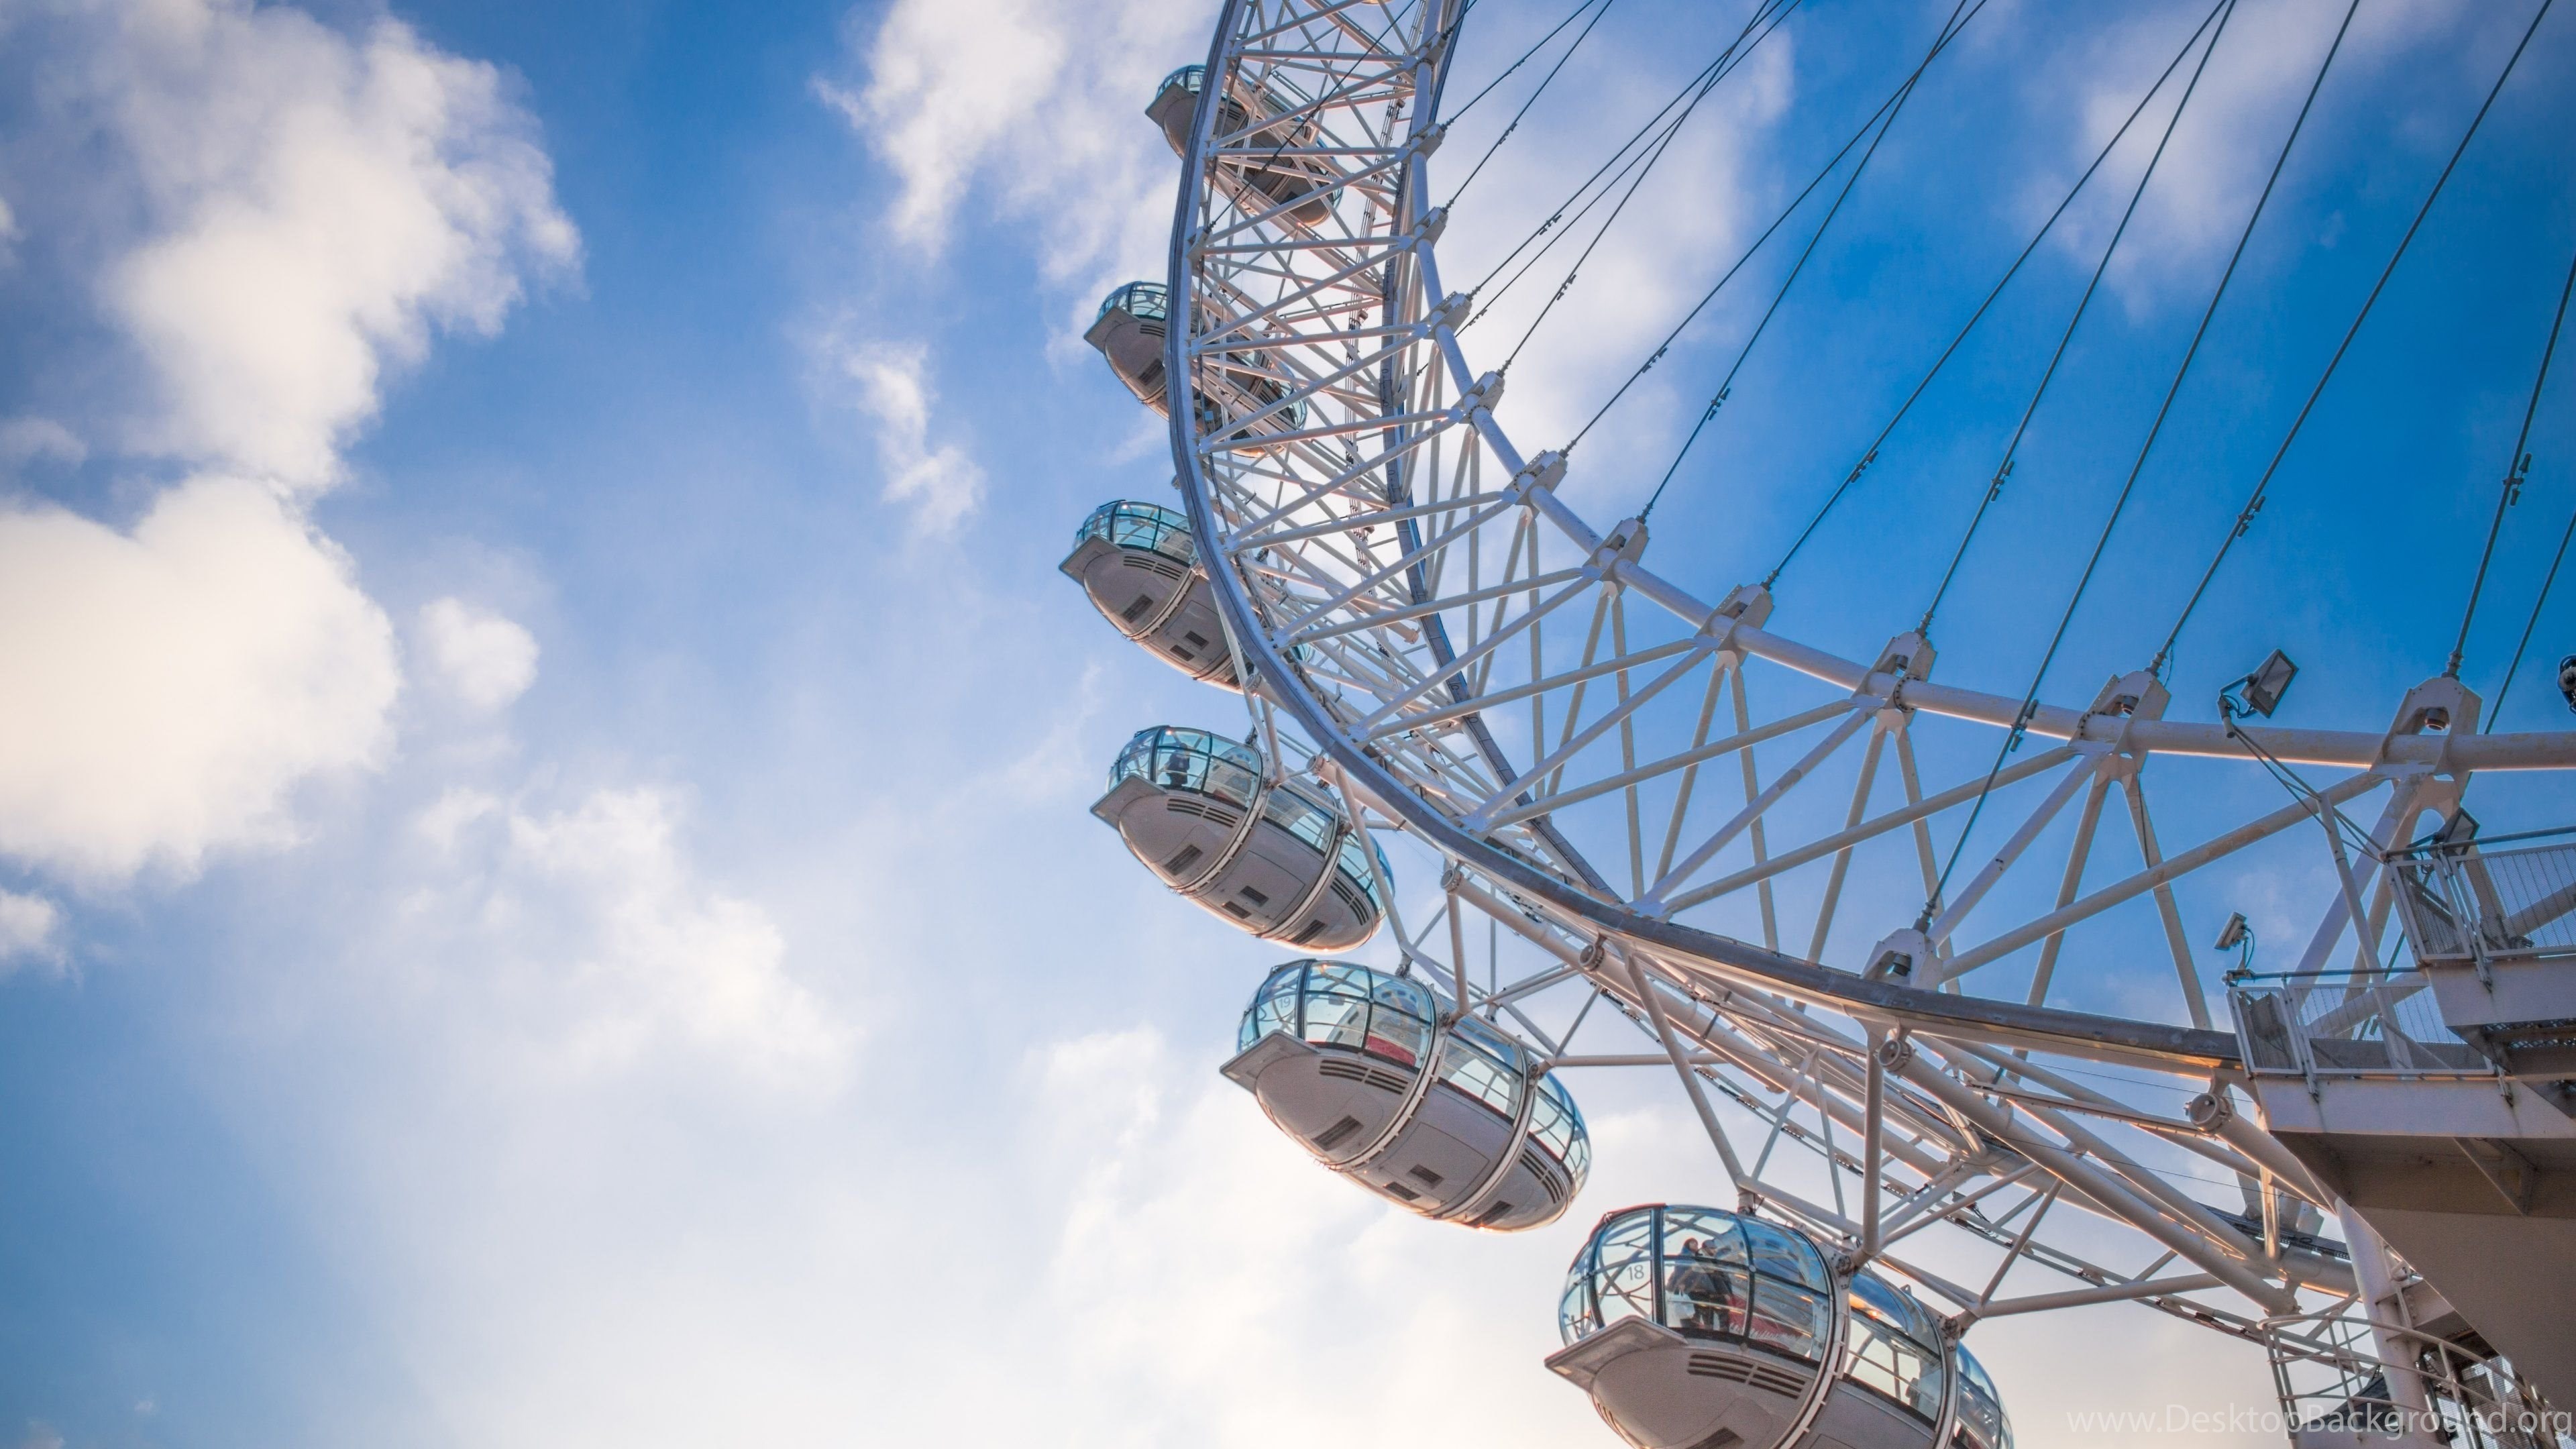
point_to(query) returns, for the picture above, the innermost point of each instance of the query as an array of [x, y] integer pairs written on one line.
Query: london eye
[[1839, 904]]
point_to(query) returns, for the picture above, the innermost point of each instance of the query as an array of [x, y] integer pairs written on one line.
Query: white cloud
[[282, 213], [1044, 102], [316, 207], [609, 944], [1203, 1261], [27, 926], [168, 686], [888, 383], [484, 659], [1709, 195], [23, 440], [2224, 146]]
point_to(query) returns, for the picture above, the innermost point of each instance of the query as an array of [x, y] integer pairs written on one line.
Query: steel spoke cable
[[1451, 32], [2547, 581], [2083, 304], [1544, 81], [1622, 159], [1869, 454], [2254, 501], [1626, 163], [2165, 409], [1726, 385], [2517, 468], [1832, 164], [2030, 697], [1671, 134]]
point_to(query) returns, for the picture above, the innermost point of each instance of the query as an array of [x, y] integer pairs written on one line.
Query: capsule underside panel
[[1134, 347], [1673, 1393], [1179, 833], [1864, 1419], [1337, 1103], [1134, 587], [1663, 1391], [1459, 1141], [1278, 181]]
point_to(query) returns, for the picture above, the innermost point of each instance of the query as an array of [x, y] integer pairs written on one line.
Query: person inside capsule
[[1703, 1290], [1273, 857], [1692, 1326]]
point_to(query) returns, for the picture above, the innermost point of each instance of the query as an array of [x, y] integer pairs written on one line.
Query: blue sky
[[548, 897]]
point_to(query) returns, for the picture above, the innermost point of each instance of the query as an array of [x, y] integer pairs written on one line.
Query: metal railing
[[2347, 1023], [2466, 903], [2331, 1381]]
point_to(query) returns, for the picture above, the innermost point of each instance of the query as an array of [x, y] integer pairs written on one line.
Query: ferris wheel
[[1685, 818]]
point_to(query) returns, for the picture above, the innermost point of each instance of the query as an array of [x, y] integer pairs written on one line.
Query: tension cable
[[2254, 501]]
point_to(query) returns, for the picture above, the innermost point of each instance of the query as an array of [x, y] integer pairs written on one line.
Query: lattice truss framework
[[1440, 636]]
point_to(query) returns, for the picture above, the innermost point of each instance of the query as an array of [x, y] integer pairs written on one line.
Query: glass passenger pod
[[1979, 1422], [1454, 1122], [1276, 860], [1259, 184], [1138, 565], [1694, 1327], [1129, 331]]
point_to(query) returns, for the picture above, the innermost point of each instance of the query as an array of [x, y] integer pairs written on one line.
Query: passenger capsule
[[1692, 1327], [1271, 181], [1129, 331], [1140, 568], [1274, 859], [1336, 1053]]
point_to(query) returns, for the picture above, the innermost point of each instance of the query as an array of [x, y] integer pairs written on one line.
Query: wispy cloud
[[26, 439], [2225, 145], [318, 205], [171, 684], [1041, 105], [888, 383], [484, 659], [590, 936], [284, 213], [27, 930]]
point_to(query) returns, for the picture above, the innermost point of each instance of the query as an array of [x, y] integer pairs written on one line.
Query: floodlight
[[2236, 931], [2269, 681], [2460, 829]]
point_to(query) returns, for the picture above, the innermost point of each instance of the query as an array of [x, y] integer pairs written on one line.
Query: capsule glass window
[[1615, 1278], [1557, 1128], [1147, 301], [1703, 1273], [1366, 1011], [1140, 525], [1301, 817], [1888, 1351], [1330, 1003], [1482, 1064], [1708, 1288], [1184, 759], [1981, 1406], [1274, 1008]]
